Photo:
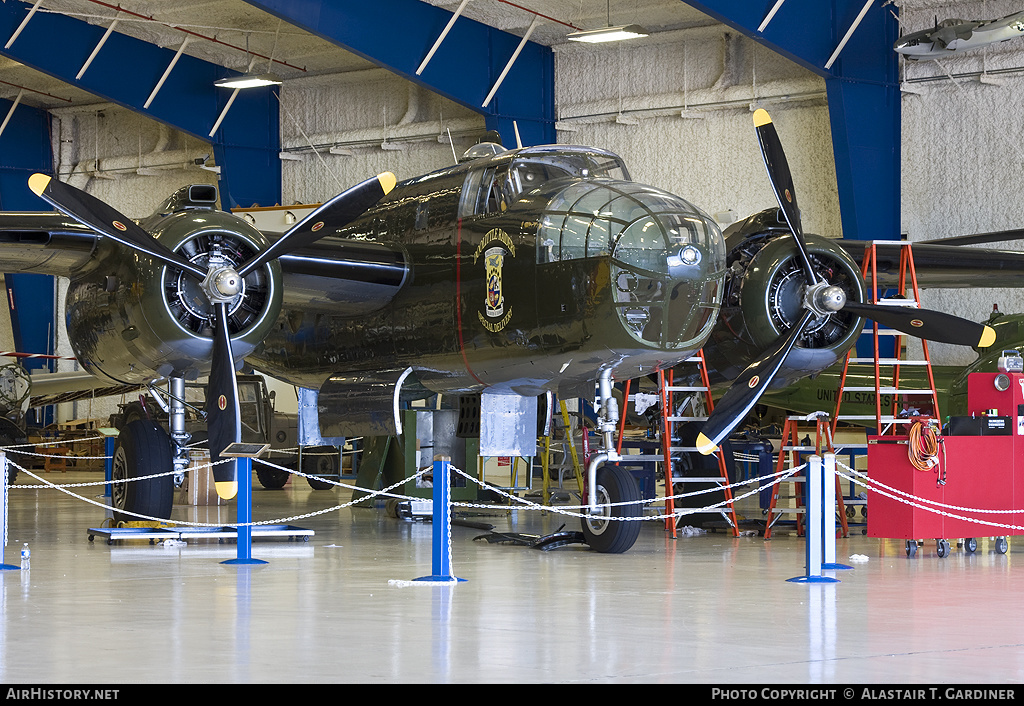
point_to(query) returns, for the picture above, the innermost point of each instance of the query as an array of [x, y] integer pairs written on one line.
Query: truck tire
[[321, 461]]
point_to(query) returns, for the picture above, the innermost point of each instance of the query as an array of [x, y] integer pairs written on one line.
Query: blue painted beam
[[398, 34], [863, 94], [24, 150], [125, 72]]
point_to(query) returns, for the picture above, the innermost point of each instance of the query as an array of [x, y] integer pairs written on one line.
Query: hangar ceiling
[[230, 32]]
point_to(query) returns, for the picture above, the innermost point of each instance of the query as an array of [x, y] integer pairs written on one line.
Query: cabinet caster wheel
[[1002, 545], [911, 547], [970, 545], [942, 548]]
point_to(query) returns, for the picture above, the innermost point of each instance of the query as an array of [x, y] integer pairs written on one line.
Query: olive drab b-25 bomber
[[510, 275]]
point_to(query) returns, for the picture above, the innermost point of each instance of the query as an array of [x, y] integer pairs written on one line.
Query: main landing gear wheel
[[614, 485], [143, 449]]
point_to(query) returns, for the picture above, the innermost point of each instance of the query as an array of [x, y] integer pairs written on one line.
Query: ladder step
[[687, 419], [684, 388], [884, 419], [799, 448], [911, 303], [889, 361], [688, 479], [889, 390]]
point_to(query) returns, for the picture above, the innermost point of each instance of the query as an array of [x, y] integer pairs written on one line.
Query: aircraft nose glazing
[[667, 258]]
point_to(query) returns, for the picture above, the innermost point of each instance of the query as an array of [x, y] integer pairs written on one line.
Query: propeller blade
[[927, 324], [747, 389], [107, 221], [223, 419], [782, 184], [336, 213]]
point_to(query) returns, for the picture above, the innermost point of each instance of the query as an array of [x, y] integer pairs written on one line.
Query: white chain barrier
[[514, 501]]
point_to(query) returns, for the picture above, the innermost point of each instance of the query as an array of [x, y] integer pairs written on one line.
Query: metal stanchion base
[[243, 561], [440, 579], [813, 579]]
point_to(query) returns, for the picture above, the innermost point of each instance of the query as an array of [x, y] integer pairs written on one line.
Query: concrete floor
[[711, 609]]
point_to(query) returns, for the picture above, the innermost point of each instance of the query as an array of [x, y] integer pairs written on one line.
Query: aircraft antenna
[[452, 144]]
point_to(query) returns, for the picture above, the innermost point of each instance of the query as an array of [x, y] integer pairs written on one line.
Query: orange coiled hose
[[923, 447]]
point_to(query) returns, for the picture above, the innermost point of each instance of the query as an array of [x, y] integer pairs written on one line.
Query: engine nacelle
[[132, 319], [763, 301]]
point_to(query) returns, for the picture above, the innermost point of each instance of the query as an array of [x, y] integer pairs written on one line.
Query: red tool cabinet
[[983, 472]]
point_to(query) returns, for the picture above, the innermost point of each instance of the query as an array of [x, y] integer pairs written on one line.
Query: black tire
[[614, 485], [911, 547], [143, 448], [321, 461], [942, 548], [1002, 545], [971, 545], [12, 472], [271, 478]]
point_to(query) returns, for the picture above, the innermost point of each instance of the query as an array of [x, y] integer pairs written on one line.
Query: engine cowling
[[132, 319], [762, 301]]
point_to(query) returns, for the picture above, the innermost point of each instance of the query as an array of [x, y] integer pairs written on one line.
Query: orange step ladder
[[792, 447], [671, 454]]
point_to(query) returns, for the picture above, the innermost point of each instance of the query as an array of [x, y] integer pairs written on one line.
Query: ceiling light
[[608, 34], [249, 81]]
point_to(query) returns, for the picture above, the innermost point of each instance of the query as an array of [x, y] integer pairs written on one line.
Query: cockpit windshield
[[493, 188], [534, 167]]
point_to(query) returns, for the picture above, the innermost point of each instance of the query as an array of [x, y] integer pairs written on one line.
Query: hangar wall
[[963, 154]]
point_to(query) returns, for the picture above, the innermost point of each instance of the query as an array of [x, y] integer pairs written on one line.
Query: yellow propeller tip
[[387, 181], [705, 445], [226, 489], [761, 117], [988, 337], [38, 183]]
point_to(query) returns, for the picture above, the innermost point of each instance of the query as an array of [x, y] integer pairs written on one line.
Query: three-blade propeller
[[820, 299], [222, 285]]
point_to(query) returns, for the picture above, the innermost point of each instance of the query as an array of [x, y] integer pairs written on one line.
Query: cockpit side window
[[487, 191]]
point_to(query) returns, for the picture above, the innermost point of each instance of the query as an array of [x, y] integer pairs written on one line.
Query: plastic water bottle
[[26, 557]]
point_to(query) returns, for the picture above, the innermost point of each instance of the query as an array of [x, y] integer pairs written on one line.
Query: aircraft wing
[[69, 386], [335, 274], [941, 265]]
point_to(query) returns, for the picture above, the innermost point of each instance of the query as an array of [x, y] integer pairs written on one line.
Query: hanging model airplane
[[955, 35], [510, 275]]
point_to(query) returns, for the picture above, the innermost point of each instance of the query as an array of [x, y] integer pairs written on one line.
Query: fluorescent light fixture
[[249, 81], [608, 34]]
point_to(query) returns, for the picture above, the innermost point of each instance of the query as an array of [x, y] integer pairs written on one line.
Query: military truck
[[261, 423]]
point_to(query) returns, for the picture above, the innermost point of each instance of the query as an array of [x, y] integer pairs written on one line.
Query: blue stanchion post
[[828, 531], [814, 523], [441, 520], [3, 515], [243, 474], [109, 442]]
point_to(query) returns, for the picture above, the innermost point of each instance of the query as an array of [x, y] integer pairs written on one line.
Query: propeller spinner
[[222, 284], [820, 299]]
